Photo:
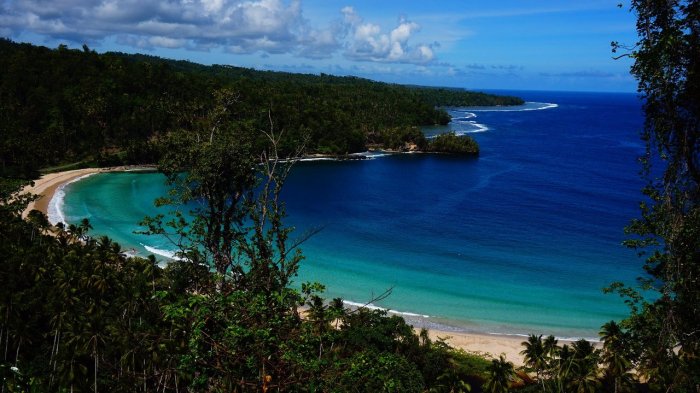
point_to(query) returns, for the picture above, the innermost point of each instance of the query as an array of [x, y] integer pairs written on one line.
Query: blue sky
[[506, 44]]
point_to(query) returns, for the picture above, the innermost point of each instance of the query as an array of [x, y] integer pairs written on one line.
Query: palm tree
[[534, 356], [40, 224], [550, 346], [562, 367], [501, 373], [614, 357], [584, 368]]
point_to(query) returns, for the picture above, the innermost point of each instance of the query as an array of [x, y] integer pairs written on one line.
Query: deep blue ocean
[[520, 240]]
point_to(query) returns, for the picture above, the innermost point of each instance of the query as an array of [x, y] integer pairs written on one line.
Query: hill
[[61, 106]]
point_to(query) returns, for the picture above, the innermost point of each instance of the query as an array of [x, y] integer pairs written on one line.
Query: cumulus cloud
[[243, 26], [367, 42], [236, 26]]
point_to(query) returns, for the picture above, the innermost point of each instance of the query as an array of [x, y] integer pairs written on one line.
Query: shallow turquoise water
[[520, 240]]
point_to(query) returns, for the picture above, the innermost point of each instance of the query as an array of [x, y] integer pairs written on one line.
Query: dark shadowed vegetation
[[60, 106]]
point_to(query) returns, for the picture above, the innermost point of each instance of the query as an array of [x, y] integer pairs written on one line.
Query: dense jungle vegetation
[[60, 106], [77, 315]]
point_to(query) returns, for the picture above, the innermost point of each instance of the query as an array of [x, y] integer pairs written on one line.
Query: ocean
[[520, 240]]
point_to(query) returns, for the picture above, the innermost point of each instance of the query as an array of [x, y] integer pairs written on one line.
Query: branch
[[381, 296]]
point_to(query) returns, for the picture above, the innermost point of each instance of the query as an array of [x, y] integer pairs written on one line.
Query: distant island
[[65, 108]]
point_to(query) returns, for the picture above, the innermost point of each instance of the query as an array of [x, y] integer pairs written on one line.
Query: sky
[[505, 44]]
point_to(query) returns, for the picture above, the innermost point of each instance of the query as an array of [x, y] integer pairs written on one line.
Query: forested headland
[[61, 105]]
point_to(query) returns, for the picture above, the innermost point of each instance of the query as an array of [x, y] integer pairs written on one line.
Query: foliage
[[663, 326], [403, 139], [63, 106], [458, 97], [579, 366], [77, 313], [501, 374], [369, 372], [454, 144]]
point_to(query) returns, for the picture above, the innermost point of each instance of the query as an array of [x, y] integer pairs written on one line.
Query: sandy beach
[[484, 344], [489, 345], [47, 185]]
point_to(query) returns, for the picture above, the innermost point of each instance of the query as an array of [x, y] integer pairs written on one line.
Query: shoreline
[[47, 185], [486, 344]]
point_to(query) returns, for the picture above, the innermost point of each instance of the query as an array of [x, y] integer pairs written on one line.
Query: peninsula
[[117, 109]]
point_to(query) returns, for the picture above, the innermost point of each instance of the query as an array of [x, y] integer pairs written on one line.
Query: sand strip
[[488, 345]]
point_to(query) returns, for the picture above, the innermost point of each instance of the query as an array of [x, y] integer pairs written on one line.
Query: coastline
[[47, 185], [485, 344]]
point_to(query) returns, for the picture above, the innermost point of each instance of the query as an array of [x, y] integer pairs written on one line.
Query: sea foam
[[567, 338], [528, 106], [371, 306], [164, 253], [54, 211], [465, 125]]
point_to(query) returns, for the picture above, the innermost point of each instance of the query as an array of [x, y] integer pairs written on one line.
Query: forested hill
[[61, 105], [436, 96]]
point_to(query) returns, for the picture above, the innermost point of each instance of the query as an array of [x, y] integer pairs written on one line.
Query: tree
[[453, 144], [210, 169], [231, 183], [550, 345], [535, 355], [584, 367], [561, 367], [371, 372], [615, 356], [667, 67], [501, 373]]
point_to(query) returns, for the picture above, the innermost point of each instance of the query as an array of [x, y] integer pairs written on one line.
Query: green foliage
[[616, 357], [453, 144], [403, 139], [501, 374], [76, 314], [63, 106], [372, 372], [664, 340], [459, 97]]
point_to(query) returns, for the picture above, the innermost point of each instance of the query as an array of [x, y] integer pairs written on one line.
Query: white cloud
[[163, 23], [369, 43], [237, 26], [166, 42], [403, 32]]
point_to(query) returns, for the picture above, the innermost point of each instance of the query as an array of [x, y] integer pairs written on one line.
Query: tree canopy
[[61, 106], [665, 340]]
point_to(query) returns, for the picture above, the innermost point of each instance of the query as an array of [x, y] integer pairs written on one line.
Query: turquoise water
[[519, 240]]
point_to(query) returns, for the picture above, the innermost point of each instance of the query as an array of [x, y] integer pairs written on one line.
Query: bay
[[520, 240]]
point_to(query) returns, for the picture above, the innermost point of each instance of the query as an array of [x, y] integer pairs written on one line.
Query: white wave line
[[546, 105], [595, 340], [164, 253], [371, 306], [54, 212]]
